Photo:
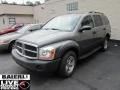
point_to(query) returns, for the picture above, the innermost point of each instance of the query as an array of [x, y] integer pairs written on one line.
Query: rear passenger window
[[97, 20], [105, 20], [87, 21]]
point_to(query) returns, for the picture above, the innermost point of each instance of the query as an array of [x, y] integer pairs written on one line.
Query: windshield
[[64, 23], [24, 29]]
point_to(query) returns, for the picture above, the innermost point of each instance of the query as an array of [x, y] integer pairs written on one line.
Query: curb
[[115, 41]]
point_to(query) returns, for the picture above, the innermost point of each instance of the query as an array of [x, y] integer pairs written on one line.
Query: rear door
[[99, 30], [106, 24]]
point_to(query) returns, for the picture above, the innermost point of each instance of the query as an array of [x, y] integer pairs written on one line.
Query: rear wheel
[[105, 44], [68, 64]]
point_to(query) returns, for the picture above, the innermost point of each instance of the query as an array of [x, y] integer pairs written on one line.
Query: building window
[[72, 6], [12, 20]]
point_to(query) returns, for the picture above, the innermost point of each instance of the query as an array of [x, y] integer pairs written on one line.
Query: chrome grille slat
[[31, 52], [19, 47]]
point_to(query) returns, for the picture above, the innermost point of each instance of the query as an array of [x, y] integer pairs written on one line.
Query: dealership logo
[[24, 85], [15, 82]]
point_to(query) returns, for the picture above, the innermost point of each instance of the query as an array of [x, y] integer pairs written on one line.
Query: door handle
[[104, 28], [94, 32]]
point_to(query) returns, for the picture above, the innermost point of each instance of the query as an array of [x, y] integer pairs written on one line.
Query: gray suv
[[62, 42]]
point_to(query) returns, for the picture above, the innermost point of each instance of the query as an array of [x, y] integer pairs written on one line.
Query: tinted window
[[97, 20], [105, 20], [87, 21]]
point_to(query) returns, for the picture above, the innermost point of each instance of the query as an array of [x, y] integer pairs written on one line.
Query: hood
[[10, 36], [6, 29], [46, 37]]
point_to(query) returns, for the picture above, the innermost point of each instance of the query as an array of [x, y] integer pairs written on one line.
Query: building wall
[[24, 19], [15, 9], [11, 14], [53, 8], [5, 20]]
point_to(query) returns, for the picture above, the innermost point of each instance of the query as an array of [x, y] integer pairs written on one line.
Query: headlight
[[46, 53]]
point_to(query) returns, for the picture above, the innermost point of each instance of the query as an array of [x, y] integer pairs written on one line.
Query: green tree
[[37, 3], [4, 2], [29, 3], [14, 3]]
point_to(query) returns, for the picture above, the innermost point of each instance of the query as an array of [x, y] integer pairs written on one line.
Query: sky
[[21, 1]]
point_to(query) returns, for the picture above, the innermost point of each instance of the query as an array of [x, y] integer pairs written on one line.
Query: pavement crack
[[86, 84]]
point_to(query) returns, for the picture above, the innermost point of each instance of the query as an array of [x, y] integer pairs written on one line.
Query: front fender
[[64, 46]]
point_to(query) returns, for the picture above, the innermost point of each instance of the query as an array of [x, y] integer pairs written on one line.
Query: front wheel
[[68, 64], [11, 46]]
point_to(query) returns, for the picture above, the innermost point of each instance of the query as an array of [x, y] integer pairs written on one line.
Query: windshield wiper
[[54, 29]]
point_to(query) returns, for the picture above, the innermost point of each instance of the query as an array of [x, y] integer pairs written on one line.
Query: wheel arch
[[73, 48], [13, 41], [108, 36]]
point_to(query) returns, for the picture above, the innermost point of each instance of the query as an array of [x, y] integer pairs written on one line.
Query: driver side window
[[87, 21]]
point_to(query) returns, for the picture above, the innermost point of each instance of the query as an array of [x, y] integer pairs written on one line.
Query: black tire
[[66, 69], [11, 46], [105, 44]]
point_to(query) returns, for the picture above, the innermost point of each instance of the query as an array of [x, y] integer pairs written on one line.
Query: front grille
[[32, 54], [30, 48], [27, 50], [19, 44]]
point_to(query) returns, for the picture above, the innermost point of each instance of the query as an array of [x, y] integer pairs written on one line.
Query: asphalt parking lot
[[100, 71]]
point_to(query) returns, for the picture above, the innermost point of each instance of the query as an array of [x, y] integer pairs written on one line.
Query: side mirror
[[85, 28], [31, 30]]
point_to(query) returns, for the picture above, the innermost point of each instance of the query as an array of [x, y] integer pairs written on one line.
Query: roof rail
[[95, 12]]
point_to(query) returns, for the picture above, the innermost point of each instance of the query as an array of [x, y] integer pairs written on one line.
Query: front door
[[86, 37]]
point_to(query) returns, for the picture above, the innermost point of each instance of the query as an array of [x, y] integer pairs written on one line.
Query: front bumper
[[4, 47], [35, 65]]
